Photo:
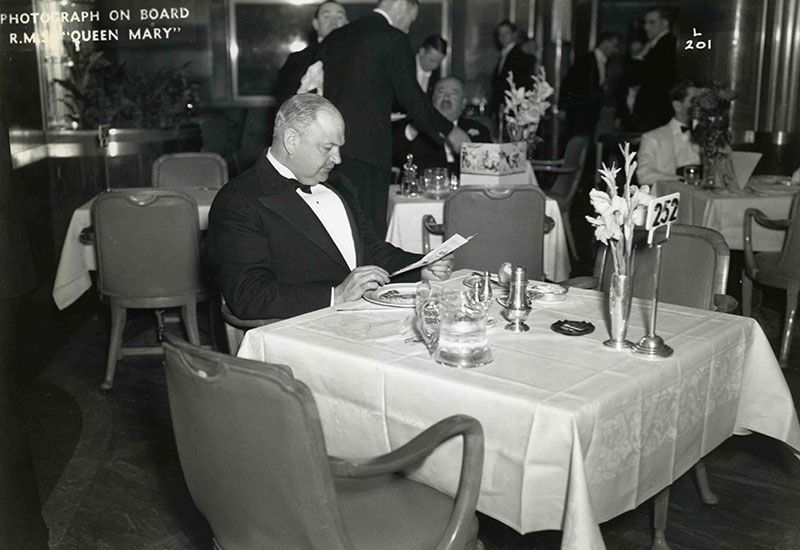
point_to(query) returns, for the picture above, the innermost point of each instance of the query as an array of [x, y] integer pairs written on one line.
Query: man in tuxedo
[[657, 71], [511, 59], [368, 64], [429, 62], [330, 15], [667, 149], [283, 237], [449, 100], [583, 89]]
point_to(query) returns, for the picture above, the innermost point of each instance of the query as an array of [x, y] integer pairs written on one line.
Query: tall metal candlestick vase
[[619, 307]]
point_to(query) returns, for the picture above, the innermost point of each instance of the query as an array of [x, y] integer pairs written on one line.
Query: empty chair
[[776, 269], [181, 170], [148, 256], [508, 224], [253, 454], [702, 286], [569, 170]]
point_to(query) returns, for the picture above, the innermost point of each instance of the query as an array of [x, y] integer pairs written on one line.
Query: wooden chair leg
[[791, 310], [660, 509], [707, 496], [189, 315], [118, 315], [747, 295]]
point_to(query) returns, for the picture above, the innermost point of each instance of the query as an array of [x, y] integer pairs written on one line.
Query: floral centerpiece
[[709, 113], [617, 215], [524, 108]]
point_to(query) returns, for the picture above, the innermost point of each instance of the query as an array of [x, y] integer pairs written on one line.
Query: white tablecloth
[[405, 230], [78, 259], [576, 433], [723, 211]]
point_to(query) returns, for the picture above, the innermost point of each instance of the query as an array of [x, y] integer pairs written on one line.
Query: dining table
[[78, 257], [723, 209], [576, 433], [405, 215]]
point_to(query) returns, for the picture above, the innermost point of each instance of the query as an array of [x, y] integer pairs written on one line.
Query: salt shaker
[[408, 185], [517, 308]]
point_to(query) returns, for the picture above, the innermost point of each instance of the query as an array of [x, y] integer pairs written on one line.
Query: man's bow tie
[[297, 185], [684, 129]]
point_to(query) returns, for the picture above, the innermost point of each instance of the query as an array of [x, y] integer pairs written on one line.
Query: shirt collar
[[507, 48], [282, 169], [600, 56], [676, 125], [658, 37], [385, 15]]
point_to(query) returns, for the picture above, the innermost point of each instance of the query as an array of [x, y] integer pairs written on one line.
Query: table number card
[[662, 211]]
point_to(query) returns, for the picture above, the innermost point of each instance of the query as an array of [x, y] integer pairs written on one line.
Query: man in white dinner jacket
[[667, 148]]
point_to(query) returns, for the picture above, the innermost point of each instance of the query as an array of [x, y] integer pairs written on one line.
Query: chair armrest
[[725, 304], [549, 224], [233, 320], [556, 169], [587, 281], [469, 484], [429, 226], [755, 214], [540, 162]]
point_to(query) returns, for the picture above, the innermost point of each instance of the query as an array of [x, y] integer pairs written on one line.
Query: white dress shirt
[[602, 60], [423, 76], [328, 207], [686, 152]]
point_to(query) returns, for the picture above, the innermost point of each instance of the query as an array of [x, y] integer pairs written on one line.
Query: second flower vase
[[620, 294]]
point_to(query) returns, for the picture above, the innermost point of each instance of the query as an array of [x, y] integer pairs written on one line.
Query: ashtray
[[549, 292], [572, 328]]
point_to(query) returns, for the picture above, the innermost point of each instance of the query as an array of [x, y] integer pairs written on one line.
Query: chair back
[[252, 451], [148, 244], [705, 250], [788, 265], [508, 224], [181, 170], [566, 185]]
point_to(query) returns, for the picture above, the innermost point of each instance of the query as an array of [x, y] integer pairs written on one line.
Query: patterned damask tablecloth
[[576, 433]]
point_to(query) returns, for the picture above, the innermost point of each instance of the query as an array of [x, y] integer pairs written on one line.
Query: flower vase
[[620, 294], [718, 171]]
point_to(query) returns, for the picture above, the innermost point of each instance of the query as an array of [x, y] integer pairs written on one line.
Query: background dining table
[[78, 258], [723, 211], [405, 230], [575, 432]]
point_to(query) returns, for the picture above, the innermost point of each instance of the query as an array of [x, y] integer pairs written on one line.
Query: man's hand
[[360, 280], [456, 138], [440, 270]]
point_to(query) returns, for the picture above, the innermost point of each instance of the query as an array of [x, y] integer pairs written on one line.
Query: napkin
[[743, 165]]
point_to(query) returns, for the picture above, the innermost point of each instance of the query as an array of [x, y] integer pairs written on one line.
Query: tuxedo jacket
[[292, 72], [581, 94], [656, 158], [519, 63], [367, 65], [429, 154], [273, 256], [658, 72]]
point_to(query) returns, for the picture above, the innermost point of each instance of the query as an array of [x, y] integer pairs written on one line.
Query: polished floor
[[109, 475]]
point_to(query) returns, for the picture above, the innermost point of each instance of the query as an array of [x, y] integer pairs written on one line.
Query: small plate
[[549, 292], [572, 328], [393, 295]]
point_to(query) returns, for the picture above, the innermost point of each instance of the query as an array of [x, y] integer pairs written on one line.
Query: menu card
[[453, 243]]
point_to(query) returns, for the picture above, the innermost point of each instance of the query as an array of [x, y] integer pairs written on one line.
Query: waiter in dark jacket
[[368, 64], [512, 59], [329, 17], [658, 70], [583, 90]]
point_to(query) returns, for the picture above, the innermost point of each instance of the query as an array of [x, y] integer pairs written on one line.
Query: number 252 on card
[[663, 211]]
